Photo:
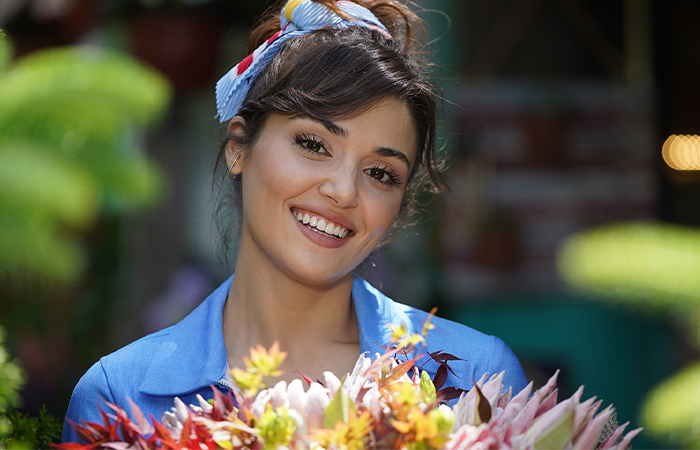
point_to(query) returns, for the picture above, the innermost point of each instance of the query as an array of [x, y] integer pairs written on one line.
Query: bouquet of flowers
[[387, 403]]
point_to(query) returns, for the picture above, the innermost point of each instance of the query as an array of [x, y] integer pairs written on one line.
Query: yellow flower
[[352, 435], [262, 363], [422, 430], [401, 337]]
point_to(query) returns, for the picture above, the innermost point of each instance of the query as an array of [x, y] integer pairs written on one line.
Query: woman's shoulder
[[171, 352], [128, 363], [114, 378], [478, 353], [139, 348], [156, 367]]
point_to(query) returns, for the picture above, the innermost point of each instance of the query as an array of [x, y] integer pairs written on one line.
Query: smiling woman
[[352, 179], [331, 132]]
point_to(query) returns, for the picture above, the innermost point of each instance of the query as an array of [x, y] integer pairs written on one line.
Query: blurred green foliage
[[643, 264], [19, 430], [11, 380], [33, 432], [655, 267], [69, 127], [672, 409]]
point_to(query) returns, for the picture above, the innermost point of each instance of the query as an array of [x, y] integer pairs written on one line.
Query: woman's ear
[[234, 149]]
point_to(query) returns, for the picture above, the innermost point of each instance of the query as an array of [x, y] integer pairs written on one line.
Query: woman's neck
[[312, 323]]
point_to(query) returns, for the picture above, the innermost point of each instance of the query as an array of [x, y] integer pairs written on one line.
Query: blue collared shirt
[[188, 358]]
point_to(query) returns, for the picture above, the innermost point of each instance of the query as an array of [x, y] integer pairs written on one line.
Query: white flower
[[297, 396], [316, 405], [332, 383], [260, 403], [279, 395]]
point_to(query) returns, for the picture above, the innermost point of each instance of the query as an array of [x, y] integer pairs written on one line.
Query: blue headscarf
[[297, 18]]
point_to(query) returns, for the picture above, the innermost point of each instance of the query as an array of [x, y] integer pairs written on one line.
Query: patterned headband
[[298, 17]]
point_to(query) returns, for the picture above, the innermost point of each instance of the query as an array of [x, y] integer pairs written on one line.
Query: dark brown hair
[[338, 73]]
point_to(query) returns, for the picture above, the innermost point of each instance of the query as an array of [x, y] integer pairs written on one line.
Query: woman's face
[[319, 197]]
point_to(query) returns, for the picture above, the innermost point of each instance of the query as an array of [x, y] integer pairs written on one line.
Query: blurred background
[[570, 230]]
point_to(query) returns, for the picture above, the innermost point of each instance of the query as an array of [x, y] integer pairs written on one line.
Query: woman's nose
[[341, 187]]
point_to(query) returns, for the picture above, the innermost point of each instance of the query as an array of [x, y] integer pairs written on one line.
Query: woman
[[331, 130]]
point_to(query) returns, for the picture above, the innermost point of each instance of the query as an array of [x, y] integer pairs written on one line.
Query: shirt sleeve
[[88, 397], [502, 358]]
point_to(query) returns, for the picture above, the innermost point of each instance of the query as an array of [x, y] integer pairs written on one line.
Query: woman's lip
[[319, 238], [328, 215]]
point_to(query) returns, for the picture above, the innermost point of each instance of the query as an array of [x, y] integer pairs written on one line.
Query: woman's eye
[[383, 175], [311, 143]]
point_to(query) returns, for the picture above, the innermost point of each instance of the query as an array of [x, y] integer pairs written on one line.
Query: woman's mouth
[[320, 224]]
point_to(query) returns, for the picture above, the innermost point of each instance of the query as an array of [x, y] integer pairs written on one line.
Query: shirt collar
[[193, 354], [374, 313]]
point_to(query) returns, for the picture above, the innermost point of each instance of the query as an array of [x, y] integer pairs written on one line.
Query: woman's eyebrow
[[343, 133], [327, 124], [390, 152]]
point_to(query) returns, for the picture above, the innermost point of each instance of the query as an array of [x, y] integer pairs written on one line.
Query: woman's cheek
[[383, 209]]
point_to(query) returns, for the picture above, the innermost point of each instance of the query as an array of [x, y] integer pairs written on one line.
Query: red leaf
[[76, 446], [440, 377], [449, 393], [220, 404], [305, 378], [441, 358], [400, 370]]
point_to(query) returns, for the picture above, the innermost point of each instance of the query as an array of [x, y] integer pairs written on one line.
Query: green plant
[[653, 267], [11, 381], [69, 123], [648, 265], [34, 432]]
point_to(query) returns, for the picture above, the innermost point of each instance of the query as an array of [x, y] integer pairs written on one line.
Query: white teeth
[[321, 224]]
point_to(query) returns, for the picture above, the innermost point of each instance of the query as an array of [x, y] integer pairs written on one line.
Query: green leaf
[[68, 150], [338, 410], [670, 411], [39, 249], [427, 387], [11, 381], [558, 435], [109, 77], [647, 264], [6, 268], [42, 182], [35, 432], [4, 50]]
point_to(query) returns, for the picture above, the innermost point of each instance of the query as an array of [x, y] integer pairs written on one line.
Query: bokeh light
[[682, 152]]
